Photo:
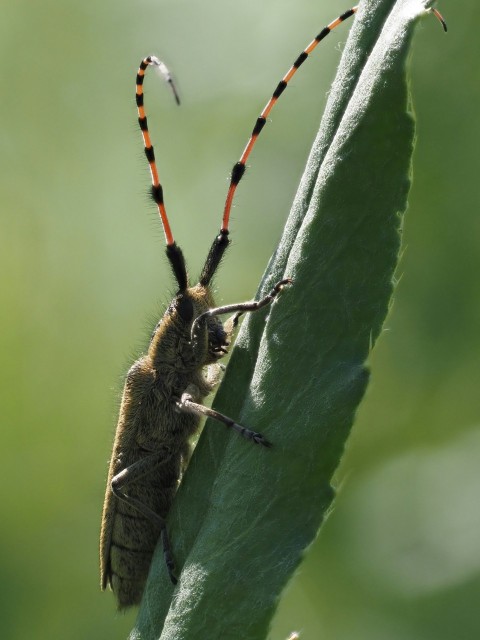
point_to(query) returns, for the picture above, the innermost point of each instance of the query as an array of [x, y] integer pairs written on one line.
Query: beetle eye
[[185, 308]]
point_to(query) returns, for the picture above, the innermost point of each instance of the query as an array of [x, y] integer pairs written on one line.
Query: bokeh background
[[84, 277]]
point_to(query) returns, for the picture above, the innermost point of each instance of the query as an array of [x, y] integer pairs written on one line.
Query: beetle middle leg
[[135, 472], [188, 404]]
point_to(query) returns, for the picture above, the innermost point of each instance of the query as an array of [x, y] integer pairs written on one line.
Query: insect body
[[161, 403], [161, 406]]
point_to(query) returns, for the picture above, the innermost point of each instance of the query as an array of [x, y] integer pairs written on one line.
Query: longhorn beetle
[[161, 404]]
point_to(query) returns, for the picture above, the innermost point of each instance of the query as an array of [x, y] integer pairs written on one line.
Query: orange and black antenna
[[221, 241], [174, 252], [240, 167]]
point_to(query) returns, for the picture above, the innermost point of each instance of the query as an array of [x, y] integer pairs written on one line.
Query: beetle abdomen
[[134, 537]]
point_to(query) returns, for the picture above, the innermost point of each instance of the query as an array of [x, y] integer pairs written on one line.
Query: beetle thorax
[[171, 344]]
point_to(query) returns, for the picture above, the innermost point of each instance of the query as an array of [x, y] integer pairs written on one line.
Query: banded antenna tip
[[441, 19], [167, 76]]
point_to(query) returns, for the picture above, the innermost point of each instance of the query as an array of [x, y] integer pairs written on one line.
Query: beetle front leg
[[239, 309]]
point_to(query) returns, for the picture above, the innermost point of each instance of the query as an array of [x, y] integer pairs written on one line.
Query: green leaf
[[244, 515]]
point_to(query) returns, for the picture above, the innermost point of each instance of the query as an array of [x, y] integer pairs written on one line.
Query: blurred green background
[[84, 277]]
